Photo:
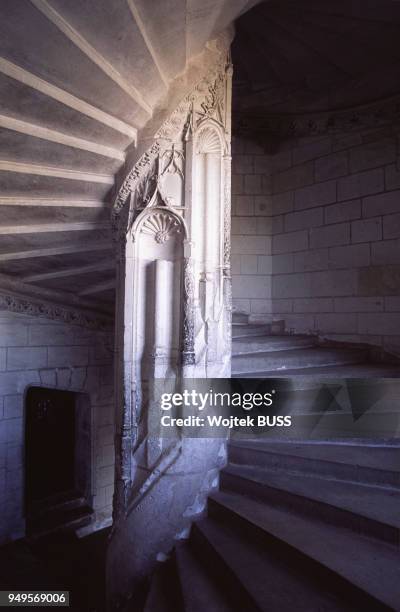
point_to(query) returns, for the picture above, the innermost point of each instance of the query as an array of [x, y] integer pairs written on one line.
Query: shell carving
[[162, 226]]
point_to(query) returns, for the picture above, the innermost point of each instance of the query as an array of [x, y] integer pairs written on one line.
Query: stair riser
[[273, 362], [312, 508], [299, 562], [339, 471], [227, 579], [254, 346], [238, 331]]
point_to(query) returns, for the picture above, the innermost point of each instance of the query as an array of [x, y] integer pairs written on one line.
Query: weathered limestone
[[172, 215]]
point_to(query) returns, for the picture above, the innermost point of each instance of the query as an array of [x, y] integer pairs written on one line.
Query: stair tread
[[372, 566], [271, 584], [360, 370], [161, 596], [200, 592], [321, 350], [376, 456], [269, 343], [370, 501]]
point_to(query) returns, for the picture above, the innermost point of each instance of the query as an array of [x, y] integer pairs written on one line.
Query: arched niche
[[207, 196], [158, 238]]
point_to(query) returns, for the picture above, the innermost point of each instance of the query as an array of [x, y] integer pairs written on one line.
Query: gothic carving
[[161, 225], [279, 127], [188, 353], [208, 141], [64, 314]]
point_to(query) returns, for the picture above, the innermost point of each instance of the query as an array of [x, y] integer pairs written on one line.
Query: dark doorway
[[57, 459]]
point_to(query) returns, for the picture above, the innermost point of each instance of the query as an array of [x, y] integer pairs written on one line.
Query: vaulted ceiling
[[316, 55], [79, 80]]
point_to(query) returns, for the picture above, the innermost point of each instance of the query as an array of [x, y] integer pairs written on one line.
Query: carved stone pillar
[[173, 214]]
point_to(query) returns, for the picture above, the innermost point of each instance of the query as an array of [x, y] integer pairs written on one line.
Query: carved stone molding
[[35, 308], [283, 126], [188, 352]]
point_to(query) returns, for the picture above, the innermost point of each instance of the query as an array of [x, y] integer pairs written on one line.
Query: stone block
[[235, 263], [379, 280], [105, 456], [261, 306], [105, 476], [303, 219], [291, 285], [248, 264], [300, 323], [392, 177], [361, 184], [392, 303], [282, 202], [282, 263], [333, 283], [351, 256], [240, 305], [330, 235], [366, 230], [252, 184], [391, 226], [308, 261], [26, 358], [14, 457], [12, 383], [358, 304], [13, 334], [313, 305], [294, 178], [331, 166], [344, 211], [244, 206], [242, 164], [237, 184], [266, 185], [263, 205], [263, 164], [265, 226], [316, 195], [3, 358], [373, 154], [68, 356], [344, 323], [264, 264], [290, 242], [251, 287], [345, 141], [381, 204], [46, 335], [378, 323], [311, 150], [251, 245], [13, 407], [243, 226]]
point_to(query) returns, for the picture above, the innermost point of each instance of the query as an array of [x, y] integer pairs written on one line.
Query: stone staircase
[[295, 526], [264, 350]]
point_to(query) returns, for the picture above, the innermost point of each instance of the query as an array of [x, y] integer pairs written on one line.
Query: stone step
[[303, 377], [239, 317], [200, 589], [250, 329], [366, 463], [263, 344], [279, 361], [256, 579], [164, 594], [60, 518], [333, 556], [365, 509]]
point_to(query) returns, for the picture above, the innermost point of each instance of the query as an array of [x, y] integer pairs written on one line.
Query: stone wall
[[37, 351], [316, 235]]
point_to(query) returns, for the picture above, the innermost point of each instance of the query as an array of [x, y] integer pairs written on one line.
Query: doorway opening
[[57, 460]]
